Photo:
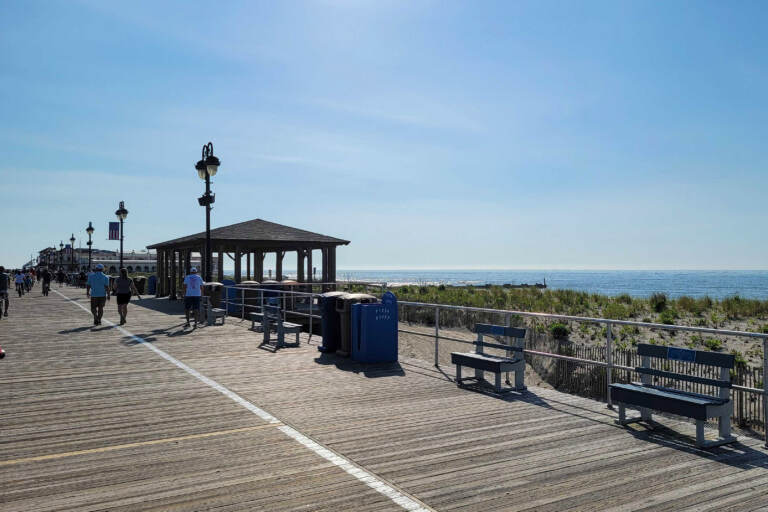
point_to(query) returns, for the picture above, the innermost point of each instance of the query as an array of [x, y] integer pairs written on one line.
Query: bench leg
[[700, 442], [479, 375], [458, 375], [520, 380], [497, 382], [724, 426], [645, 414], [622, 414]]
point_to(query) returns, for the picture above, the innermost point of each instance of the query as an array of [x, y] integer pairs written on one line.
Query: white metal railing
[[289, 300]]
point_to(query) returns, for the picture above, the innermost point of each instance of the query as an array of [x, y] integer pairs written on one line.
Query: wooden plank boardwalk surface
[[94, 419]]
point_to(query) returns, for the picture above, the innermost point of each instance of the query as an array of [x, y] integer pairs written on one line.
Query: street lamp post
[[72, 252], [207, 167], [121, 213], [89, 230], [61, 254]]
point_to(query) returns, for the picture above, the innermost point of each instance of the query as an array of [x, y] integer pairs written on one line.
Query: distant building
[[133, 261]]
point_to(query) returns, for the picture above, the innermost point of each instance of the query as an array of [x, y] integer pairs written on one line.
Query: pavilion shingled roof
[[257, 230]]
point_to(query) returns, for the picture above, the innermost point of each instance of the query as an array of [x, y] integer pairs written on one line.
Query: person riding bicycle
[[5, 281]]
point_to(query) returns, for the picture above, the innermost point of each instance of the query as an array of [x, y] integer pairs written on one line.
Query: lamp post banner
[[114, 231]]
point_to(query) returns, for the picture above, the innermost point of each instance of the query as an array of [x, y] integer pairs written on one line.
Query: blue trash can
[[151, 285], [330, 321], [374, 331], [233, 297]]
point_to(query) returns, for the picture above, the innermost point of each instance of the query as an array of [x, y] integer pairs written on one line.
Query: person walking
[[5, 283], [60, 276], [124, 289], [97, 288], [45, 277], [19, 281], [193, 284]]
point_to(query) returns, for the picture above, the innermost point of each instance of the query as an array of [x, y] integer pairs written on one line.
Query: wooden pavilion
[[252, 239]]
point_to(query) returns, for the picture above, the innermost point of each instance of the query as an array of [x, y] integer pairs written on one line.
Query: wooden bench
[[482, 362], [256, 318], [647, 396], [272, 316]]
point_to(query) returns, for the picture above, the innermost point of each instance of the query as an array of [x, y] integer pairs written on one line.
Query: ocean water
[[637, 283]]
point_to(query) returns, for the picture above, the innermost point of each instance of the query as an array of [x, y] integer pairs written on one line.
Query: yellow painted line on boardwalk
[[135, 445]]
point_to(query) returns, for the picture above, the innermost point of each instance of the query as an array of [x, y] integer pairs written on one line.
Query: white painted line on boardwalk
[[364, 476]]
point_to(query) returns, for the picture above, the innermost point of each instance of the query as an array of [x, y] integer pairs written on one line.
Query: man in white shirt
[[193, 285]]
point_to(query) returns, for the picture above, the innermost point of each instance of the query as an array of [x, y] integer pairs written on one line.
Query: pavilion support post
[[187, 261], [309, 269], [300, 254], [258, 261], [325, 269], [279, 255], [220, 266], [172, 294], [248, 265], [166, 273], [159, 273], [238, 265], [331, 251]]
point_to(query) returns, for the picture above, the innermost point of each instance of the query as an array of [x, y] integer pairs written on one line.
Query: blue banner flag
[[114, 231]]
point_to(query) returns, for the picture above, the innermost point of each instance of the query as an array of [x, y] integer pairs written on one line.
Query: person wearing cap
[[193, 284], [97, 288]]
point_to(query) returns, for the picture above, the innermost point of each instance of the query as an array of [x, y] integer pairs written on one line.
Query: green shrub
[[658, 302], [615, 311], [624, 298], [739, 358], [667, 317], [764, 329], [559, 331], [713, 344]]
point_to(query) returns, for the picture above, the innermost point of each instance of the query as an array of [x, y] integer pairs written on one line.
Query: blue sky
[[432, 134]]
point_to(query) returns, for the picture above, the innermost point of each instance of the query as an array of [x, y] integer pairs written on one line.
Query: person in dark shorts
[[193, 290], [124, 289], [97, 288], [46, 277]]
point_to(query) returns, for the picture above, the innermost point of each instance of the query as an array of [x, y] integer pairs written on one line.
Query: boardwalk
[[168, 420]]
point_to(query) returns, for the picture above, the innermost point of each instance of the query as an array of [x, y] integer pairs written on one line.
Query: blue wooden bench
[[647, 396], [482, 362], [272, 318]]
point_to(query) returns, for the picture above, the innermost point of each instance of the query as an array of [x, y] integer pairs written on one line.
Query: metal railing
[[290, 298], [608, 363]]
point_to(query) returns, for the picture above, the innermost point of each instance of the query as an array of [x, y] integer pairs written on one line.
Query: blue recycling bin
[[233, 297], [330, 321], [374, 331], [151, 285]]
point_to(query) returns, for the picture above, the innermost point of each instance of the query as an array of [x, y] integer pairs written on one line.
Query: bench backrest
[[499, 330], [723, 361]]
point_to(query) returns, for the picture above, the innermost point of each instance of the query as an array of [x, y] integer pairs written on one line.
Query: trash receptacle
[[343, 306], [329, 321], [213, 291], [152, 285], [231, 296], [374, 331], [251, 296], [140, 283]]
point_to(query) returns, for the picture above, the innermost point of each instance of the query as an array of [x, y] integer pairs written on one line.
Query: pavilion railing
[[442, 323]]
